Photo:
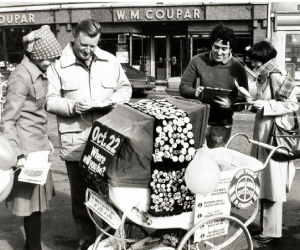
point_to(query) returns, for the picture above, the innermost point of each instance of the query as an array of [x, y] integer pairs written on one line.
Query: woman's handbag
[[280, 136]]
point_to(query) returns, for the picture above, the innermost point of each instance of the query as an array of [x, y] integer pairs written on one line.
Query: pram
[[222, 231], [209, 224]]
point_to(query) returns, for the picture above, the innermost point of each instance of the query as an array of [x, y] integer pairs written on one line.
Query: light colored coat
[[273, 179], [24, 123], [24, 120], [70, 81]]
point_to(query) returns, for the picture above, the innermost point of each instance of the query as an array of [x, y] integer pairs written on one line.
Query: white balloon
[[202, 175], [6, 183], [8, 157], [204, 151]]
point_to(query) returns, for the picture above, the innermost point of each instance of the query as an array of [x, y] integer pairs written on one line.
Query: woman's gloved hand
[[22, 163]]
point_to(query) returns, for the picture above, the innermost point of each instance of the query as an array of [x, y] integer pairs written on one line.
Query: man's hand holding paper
[[224, 102], [82, 106]]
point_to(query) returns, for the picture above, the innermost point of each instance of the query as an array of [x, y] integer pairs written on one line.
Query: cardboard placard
[[214, 203], [104, 210], [102, 146]]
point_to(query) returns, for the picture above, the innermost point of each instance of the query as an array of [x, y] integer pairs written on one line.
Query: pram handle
[[278, 148]]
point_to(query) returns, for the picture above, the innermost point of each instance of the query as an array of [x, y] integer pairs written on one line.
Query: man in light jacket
[[84, 76]]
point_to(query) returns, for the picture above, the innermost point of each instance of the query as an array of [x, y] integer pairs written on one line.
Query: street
[[58, 232]]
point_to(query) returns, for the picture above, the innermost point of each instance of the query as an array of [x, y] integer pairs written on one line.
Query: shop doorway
[[171, 56], [179, 56], [160, 48]]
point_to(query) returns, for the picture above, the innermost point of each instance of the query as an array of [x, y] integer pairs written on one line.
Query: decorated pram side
[[130, 172]]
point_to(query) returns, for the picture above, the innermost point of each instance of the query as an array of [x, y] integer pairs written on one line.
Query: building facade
[[158, 39], [285, 35]]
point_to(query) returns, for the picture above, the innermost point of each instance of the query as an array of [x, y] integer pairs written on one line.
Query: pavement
[[58, 232]]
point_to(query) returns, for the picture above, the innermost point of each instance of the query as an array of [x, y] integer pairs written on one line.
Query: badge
[[244, 188]]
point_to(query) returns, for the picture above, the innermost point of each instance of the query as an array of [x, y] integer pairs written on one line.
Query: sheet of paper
[[37, 159], [102, 105]]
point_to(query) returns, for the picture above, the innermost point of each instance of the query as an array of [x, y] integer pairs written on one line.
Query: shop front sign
[[122, 53], [158, 14], [13, 19]]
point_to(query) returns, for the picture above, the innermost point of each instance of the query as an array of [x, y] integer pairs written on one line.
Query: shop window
[[11, 46], [201, 43], [141, 52], [116, 44], [292, 55]]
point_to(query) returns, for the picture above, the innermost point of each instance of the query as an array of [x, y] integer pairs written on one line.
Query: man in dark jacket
[[216, 69]]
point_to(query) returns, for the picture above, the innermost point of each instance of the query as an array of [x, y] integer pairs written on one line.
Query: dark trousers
[[85, 227]]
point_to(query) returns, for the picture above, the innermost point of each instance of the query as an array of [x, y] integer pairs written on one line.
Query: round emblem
[[244, 188]]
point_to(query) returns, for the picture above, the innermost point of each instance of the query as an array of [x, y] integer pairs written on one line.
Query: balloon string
[[17, 169]]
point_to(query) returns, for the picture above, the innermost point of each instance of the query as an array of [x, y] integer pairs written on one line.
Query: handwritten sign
[[102, 145], [214, 203], [100, 207]]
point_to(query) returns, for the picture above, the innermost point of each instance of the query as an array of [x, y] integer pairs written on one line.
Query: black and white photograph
[[149, 125]]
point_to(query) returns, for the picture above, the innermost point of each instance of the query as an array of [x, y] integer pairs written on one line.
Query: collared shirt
[[87, 63], [224, 61]]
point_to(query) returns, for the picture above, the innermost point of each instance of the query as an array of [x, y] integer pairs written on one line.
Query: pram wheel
[[226, 233], [133, 232]]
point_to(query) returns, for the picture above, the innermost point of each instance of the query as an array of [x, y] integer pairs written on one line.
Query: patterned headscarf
[[42, 44], [285, 88]]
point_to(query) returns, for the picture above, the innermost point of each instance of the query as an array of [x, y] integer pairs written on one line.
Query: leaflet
[[36, 176], [36, 169], [102, 106]]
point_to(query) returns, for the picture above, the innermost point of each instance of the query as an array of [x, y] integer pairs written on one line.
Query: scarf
[[284, 88]]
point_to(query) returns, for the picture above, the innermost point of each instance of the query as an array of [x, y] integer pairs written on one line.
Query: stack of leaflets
[[37, 168], [103, 105]]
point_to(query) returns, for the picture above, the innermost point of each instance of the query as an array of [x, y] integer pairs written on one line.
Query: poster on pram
[[214, 203], [101, 148], [100, 207]]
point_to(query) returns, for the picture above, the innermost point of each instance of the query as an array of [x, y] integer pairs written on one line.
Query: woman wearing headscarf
[[24, 123], [275, 99]]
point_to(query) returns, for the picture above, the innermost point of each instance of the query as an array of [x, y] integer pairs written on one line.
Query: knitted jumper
[[216, 75]]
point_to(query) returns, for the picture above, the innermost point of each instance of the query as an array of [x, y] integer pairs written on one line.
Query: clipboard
[[209, 93]]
